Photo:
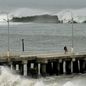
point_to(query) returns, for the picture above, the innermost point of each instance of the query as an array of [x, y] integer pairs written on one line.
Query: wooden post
[[23, 45]]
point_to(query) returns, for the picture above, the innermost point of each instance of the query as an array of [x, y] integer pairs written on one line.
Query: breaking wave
[[8, 78], [39, 19], [40, 15]]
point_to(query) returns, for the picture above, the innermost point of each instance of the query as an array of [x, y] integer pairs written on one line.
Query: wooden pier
[[32, 65]]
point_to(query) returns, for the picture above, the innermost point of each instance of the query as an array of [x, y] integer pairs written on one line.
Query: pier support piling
[[43, 69], [82, 66], [55, 67], [25, 67], [39, 68], [11, 65], [17, 67], [68, 66], [49, 68], [64, 67], [60, 66], [75, 66]]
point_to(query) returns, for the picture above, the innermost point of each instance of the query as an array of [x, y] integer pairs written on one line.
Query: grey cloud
[[50, 4]]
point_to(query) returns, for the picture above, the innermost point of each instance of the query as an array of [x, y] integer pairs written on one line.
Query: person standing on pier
[[65, 49]]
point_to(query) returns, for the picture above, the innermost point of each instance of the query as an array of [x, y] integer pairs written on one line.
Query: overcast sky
[[42, 4]]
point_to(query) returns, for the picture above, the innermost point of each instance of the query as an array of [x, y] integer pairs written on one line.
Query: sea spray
[[69, 83], [79, 80], [7, 78], [38, 83], [63, 15]]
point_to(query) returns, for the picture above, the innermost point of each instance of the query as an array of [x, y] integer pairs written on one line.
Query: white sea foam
[[38, 83], [7, 78], [79, 15], [2, 17], [69, 83]]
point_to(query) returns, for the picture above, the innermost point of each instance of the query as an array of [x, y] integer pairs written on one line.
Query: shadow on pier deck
[[28, 64]]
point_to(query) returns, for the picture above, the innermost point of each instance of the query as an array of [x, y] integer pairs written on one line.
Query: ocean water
[[42, 38], [8, 78]]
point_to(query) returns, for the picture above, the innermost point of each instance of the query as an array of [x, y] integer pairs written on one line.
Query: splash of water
[[65, 15], [69, 83], [77, 14], [38, 83], [8, 78]]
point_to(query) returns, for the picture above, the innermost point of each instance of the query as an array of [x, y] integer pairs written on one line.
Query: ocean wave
[[64, 16], [9, 78], [40, 19], [40, 15], [78, 15]]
